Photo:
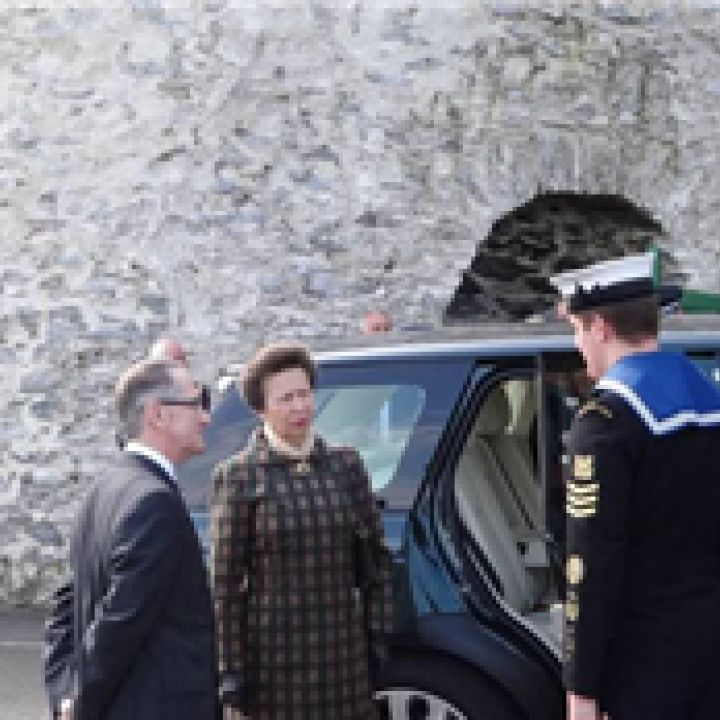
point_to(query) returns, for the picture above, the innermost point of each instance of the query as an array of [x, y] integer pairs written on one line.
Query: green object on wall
[[691, 301]]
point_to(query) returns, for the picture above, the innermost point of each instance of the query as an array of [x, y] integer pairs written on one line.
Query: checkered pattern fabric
[[289, 619]]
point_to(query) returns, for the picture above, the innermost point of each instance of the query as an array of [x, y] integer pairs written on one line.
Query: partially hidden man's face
[[288, 404], [590, 340], [184, 424], [376, 322]]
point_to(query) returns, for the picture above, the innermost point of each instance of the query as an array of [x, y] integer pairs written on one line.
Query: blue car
[[462, 433]]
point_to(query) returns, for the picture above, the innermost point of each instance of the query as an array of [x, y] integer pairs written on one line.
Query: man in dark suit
[[131, 635]]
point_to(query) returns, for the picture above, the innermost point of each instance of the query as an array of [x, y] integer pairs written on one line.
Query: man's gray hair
[[140, 382]]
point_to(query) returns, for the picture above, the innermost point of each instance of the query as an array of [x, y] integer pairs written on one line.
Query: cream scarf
[[280, 446]]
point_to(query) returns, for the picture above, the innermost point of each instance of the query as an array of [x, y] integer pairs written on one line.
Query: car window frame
[[438, 497]]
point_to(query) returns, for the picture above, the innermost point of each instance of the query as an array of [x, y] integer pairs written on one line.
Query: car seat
[[479, 481]]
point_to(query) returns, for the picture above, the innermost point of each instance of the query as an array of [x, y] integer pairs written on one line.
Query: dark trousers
[[691, 692]]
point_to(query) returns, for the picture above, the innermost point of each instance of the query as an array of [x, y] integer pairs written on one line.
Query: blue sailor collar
[[666, 389]]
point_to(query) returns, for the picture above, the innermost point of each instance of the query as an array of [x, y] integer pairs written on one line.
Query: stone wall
[[232, 171]]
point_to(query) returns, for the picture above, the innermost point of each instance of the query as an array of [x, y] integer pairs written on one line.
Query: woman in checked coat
[[300, 576]]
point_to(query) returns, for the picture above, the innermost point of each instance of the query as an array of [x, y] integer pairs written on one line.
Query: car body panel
[[525, 683]]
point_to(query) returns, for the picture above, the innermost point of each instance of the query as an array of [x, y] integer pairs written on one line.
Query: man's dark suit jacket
[[139, 591]]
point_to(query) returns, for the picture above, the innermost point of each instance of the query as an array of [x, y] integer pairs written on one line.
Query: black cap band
[[597, 296]]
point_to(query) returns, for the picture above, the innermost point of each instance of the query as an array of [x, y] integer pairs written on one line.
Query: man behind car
[[642, 635], [131, 634], [168, 349], [374, 322]]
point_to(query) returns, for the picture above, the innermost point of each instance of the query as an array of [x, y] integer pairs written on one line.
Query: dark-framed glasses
[[201, 400]]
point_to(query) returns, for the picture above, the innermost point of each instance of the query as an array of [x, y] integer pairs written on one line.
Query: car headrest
[[494, 414]]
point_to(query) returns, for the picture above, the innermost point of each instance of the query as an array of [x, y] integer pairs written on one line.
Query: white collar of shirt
[[138, 448]]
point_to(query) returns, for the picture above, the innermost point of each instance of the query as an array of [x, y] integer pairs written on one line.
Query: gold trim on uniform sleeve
[[580, 513], [582, 494], [582, 489], [583, 467], [582, 502], [574, 570], [572, 610]]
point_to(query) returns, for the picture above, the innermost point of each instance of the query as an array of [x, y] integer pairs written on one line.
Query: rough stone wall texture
[[233, 171]]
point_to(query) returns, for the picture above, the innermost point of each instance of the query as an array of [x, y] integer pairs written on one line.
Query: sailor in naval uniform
[[642, 630]]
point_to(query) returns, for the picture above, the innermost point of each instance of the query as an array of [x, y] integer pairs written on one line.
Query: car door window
[[376, 420], [393, 411]]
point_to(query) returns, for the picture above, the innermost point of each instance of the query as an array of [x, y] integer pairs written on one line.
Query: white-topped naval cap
[[607, 282], [604, 274]]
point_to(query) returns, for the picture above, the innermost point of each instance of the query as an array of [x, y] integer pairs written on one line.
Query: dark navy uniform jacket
[[643, 554], [131, 633]]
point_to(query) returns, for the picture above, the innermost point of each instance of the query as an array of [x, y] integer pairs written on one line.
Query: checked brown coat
[[290, 625]]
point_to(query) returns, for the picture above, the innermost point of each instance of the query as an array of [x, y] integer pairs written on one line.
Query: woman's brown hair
[[270, 360]]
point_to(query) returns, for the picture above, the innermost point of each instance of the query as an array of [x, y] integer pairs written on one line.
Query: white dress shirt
[[138, 448]]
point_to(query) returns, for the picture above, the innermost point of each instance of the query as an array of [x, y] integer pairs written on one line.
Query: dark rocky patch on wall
[[508, 277]]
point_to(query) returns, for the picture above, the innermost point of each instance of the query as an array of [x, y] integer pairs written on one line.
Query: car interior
[[503, 507]]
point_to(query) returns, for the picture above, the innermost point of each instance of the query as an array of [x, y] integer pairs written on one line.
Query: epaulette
[[595, 406]]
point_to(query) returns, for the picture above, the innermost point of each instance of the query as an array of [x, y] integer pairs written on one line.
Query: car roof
[[506, 338]]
